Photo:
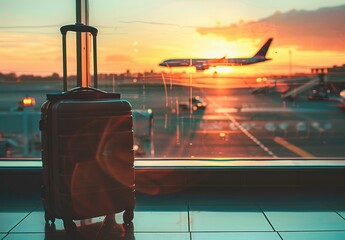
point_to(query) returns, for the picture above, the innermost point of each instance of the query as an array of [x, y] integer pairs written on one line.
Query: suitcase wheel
[[49, 228], [69, 226], [48, 217], [128, 216]]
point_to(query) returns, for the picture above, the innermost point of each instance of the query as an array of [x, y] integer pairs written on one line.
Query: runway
[[234, 124], [239, 124]]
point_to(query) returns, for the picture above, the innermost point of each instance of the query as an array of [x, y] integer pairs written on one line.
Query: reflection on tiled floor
[[227, 218], [237, 235], [195, 214]]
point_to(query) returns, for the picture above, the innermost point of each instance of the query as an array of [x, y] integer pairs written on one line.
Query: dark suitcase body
[[87, 154]]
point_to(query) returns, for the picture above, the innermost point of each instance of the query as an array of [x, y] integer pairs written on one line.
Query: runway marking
[[250, 136], [293, 148]]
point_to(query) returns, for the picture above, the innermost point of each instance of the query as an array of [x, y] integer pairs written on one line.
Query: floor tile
[[296, 206], [26, 236], [34, 227], [35, 223], [236, 236], [313, 235], [9, 219], [2, 235], [160, 220], [228, 218], [136, 236], [305, 221], [160, 236], [148, 219], [342, 213], [156, 207]]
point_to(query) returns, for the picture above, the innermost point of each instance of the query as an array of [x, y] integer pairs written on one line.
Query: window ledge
[[198, 163]]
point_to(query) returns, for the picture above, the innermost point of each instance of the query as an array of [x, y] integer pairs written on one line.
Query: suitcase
[[87, 151]]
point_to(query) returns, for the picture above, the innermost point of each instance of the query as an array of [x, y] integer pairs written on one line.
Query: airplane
[[205, 63]]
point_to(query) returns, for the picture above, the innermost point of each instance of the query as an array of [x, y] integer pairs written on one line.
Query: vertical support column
[[83, 45]]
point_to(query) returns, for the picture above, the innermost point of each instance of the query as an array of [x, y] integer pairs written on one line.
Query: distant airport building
[[336, 69], [319, 70]]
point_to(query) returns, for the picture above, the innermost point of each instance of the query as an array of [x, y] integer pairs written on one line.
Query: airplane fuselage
[[205, 63], [211, 62]]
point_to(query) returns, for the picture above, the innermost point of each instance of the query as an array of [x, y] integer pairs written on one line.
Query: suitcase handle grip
[[85, 89], [83, 93], [78, 28]]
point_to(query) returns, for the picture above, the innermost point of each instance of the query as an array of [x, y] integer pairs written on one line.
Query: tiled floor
[[202, 214]]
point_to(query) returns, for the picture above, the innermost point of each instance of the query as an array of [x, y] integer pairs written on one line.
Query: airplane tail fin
[[263, 50]]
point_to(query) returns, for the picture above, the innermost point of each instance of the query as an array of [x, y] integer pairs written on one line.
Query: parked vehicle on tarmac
[[196, 103]]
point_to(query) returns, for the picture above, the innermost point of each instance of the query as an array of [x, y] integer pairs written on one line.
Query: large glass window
[[206, 79]]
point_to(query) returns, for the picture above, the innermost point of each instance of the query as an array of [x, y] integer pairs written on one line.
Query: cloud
[[159, 24], [319, 30]]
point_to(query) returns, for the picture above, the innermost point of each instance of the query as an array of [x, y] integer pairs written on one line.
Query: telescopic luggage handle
[[79, 28]]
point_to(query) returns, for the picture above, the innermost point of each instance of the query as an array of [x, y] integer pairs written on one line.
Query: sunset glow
[[220, 69], [138, 36]]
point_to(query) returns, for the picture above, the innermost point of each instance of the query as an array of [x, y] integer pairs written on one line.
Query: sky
[[137, 35]]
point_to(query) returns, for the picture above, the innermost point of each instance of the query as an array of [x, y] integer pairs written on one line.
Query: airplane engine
[[200, 67]]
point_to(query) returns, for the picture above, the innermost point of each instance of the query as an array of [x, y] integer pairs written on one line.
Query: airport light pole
[[190, 94], [290, 63]]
